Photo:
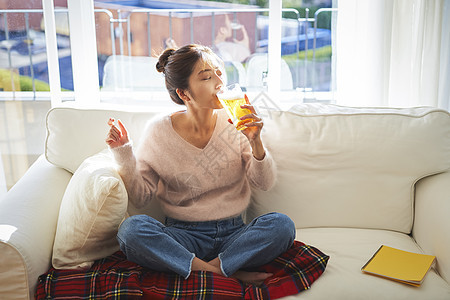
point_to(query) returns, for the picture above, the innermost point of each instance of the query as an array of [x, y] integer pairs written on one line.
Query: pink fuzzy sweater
[[193, 184]]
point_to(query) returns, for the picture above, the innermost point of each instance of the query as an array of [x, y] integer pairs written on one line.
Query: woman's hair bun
[[163, 59]]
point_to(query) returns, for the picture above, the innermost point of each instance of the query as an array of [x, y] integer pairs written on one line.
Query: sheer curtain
[[393, 53]]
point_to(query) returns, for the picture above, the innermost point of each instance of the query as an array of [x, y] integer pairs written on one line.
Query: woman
[[200, 169]]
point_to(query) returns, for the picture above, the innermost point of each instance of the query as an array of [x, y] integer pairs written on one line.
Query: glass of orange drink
[[231, 98]]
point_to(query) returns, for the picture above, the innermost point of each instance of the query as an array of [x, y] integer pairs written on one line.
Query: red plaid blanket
[[115, 277]]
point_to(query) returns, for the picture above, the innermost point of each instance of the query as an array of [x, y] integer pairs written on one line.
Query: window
[[130, 35], [238, 33]]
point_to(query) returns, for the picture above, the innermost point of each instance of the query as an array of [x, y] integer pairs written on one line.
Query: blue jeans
[[172, 246]]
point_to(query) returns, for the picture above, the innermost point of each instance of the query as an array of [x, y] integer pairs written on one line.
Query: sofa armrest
[[28, 218], [432, 219]]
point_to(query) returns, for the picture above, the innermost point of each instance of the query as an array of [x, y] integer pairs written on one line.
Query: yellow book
[[402, 266]]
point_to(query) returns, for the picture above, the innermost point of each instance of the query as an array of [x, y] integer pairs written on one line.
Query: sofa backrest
[[337, 166], [74, 134], [352, 167]]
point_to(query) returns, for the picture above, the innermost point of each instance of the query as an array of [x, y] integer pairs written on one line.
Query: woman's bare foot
[[255, 278], [200, 265]]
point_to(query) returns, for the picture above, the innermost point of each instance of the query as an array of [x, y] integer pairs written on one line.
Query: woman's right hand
[[116, 137]]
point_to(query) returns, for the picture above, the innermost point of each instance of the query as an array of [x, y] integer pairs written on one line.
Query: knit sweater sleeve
[[137, 174], [260, 173]]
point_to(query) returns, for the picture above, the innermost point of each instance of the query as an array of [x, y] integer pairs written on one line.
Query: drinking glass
[[231, 98]]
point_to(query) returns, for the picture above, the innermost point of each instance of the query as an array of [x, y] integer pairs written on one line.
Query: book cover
[[402, 266]]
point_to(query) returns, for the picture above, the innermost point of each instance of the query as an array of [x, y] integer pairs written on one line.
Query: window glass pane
[[64, 51], [23, 57], [311, 63], [143, 30], [131, 35]]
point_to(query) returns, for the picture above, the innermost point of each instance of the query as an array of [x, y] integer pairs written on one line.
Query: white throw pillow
[[93, 206]]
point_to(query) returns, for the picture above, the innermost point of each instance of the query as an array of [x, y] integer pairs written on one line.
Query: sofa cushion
[[349, 250], [348, 167], [73, 134], [94, 204]]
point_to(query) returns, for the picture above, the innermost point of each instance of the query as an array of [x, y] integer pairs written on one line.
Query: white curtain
[[393, 53]]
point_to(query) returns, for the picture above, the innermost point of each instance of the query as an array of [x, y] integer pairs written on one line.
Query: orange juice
[[231, 99], [235, 112]]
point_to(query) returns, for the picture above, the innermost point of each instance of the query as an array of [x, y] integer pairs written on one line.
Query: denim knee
[[144, 241], [282, 227], [130, 226]]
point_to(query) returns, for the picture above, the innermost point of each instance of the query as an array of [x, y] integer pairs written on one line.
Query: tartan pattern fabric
[[110, 278], [115, 277]]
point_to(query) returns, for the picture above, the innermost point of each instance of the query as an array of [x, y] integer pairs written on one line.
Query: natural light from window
[[130, 35]]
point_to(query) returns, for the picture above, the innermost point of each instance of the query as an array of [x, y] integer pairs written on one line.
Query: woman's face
[[204, 83]]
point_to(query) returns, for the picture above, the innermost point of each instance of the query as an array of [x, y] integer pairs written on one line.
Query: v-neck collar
[[218, 119]]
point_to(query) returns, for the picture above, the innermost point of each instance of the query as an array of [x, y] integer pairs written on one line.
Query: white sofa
[[352, 179]]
